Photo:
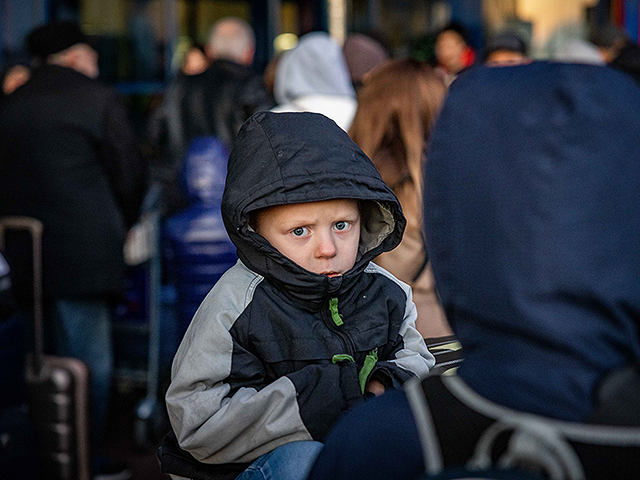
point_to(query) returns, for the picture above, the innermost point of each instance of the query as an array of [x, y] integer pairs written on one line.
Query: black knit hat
[[53, 38]]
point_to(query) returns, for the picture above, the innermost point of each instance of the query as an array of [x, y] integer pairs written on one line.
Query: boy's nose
[[326, 247]]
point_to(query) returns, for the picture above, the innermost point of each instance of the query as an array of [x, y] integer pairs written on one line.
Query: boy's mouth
[[331, 274]]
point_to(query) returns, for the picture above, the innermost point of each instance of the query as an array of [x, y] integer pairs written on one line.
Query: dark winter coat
[[68, 158], [531, 215], [257, 367], [214, 103]]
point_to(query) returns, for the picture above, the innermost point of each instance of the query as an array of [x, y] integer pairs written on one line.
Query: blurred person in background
[[195, 61], [506, 48], [618, 50], [609, 40], [14, 77], [363, 53], [576, 50], [532, 218], [313, 77], [68, 158], [213, 103], [397, 107], [453, 51]]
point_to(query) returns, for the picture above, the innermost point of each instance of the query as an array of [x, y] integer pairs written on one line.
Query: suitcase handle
[[34, 227]]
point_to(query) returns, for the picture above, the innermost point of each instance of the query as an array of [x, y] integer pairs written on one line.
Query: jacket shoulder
[[375, 269], [231, 295]]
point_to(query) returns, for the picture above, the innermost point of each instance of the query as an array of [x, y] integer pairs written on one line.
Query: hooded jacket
[[532, 216], [532, 220], [268, 358], [314, 77]]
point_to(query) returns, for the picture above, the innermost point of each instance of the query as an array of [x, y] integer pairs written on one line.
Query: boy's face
[[321, 237]]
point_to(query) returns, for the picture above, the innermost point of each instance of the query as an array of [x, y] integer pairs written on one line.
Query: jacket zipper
[[329, 312]]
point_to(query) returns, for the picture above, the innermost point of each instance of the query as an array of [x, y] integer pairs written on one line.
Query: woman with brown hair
[[397, 107]]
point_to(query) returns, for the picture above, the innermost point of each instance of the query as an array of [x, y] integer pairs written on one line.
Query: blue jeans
[[291, 461], [82, 329]]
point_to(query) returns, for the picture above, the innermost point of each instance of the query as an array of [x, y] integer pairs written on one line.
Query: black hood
[[286, 158]]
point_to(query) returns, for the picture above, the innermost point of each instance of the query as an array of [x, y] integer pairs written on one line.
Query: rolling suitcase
[[57, 387]]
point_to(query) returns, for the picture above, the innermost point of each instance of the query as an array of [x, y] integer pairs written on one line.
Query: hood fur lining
[[377, 224]]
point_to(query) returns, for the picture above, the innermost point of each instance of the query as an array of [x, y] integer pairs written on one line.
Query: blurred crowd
[[70, 157]]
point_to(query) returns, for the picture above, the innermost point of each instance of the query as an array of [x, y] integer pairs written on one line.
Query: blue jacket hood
[[532, 217]]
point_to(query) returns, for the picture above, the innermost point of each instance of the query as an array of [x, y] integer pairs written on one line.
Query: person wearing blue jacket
[[304, 326], [532, 218]]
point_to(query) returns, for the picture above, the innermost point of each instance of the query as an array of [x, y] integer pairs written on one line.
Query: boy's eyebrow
[[298, 222], [303, 220], [351, 216]]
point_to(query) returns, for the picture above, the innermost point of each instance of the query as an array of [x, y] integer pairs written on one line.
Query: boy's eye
[[342, 225], [300, 231]]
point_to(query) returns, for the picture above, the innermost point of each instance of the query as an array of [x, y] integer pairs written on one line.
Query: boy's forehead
[[342, 206]]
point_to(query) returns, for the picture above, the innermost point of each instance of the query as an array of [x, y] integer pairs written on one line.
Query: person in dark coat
[[214, 103], [68, 157], [532, 218]]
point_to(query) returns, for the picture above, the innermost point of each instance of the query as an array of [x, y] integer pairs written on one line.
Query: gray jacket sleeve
[[211, 426]]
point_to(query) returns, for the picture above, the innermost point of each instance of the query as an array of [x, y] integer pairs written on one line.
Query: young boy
[[303, 327]]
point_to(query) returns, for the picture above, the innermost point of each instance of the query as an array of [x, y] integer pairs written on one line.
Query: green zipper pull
[[342, 357], [369, 362], [333, 308]]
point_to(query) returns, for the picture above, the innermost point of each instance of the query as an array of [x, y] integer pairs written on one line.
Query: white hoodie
[[314, 77]]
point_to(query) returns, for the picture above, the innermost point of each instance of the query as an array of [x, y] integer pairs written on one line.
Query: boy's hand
[[375, 388]]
